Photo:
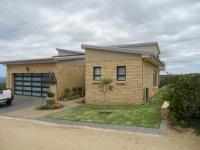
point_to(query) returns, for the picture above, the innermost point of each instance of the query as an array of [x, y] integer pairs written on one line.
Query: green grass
[[147, 115]]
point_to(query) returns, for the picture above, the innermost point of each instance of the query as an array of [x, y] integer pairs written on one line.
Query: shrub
[[2, 86], [49, 101], [43, 107], [56, 106], [49, 107], [80, 91], [184, 97], [83, 93], [74, 91], [50, 94], [67, 93]]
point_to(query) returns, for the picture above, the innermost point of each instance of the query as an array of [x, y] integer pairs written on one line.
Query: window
[[121, 73], [155, 78], [96, 73]]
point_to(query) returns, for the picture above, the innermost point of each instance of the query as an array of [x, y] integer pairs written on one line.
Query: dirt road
[[26, 135]]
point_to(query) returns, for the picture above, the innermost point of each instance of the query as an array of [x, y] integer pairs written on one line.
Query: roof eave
[[70, 51], [154, 60]]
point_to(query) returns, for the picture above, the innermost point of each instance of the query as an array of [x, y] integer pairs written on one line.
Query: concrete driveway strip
[[20, 102]]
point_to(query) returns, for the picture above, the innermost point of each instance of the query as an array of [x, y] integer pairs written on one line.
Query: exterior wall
[[68, 74], [124, 92], [148, 69], [33, 68]]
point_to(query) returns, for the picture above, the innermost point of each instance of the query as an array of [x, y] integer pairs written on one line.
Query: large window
[[121, 73], [155, 78], [97, 73]]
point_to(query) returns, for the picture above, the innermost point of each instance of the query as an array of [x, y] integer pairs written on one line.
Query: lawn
[[147, 115]]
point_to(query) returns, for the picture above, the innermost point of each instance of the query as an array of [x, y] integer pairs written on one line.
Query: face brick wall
[[139, 74], [148, 78], [68, 73], [124, 92]]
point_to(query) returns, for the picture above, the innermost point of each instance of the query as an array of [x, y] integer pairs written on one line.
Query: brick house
[[134, 69]]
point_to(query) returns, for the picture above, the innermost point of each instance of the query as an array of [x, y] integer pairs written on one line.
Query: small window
[[121, 73], [155, 78], [97, 73]]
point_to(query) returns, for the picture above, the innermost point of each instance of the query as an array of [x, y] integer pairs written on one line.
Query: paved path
[[20, 102], [32, 113]]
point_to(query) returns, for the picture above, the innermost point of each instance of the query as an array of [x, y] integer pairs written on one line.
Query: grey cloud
[[36, 28]]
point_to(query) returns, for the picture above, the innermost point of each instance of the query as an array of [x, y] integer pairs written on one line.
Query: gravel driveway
[[30, 135], [20, 102]]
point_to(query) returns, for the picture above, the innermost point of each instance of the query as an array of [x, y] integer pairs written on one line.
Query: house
[[26, 77], [134, 69]]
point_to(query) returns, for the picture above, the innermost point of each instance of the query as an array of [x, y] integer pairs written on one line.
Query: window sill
[[121, 82]]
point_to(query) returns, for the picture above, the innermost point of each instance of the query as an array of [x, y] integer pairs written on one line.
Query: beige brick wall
[[68, 74], [148, 78], [139, 74], [124, 92]]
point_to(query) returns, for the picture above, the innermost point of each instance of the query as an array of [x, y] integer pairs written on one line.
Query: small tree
[[105, 86]]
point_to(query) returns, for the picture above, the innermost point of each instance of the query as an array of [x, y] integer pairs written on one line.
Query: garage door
[[30, 84]]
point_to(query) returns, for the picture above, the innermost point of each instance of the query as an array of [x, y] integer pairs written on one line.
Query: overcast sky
[[31, 29]]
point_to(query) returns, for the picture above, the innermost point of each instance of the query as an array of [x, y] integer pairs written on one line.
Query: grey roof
[[43, 60], [145, 54], [137, 45], [71, 51], [116, 49]]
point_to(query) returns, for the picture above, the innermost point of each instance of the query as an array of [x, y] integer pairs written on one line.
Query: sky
[[32, 29]]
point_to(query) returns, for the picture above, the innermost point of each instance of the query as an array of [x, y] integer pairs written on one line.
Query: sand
[[19, 134]]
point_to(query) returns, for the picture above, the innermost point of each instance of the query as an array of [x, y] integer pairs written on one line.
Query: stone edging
[[160, 130]]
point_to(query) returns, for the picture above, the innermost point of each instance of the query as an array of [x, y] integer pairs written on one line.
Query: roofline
[[71, 51], [60, 58], [154, 59], [139, 44], [42, 60], [115, 49]]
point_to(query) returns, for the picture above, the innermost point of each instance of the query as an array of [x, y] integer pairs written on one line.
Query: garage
[[31, 84]]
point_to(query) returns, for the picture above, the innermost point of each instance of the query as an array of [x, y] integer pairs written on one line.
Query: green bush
[[50, 94], [2, 85], [74, 91], [184, 97], [67, 93], [80, 91], [49, 107]]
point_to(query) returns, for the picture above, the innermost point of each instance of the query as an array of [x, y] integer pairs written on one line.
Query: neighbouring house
[[134, 69]]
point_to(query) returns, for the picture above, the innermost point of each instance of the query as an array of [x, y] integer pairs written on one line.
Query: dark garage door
[[30, 84]]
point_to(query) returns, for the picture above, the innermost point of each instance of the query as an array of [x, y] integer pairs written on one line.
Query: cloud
[[35, 28]]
